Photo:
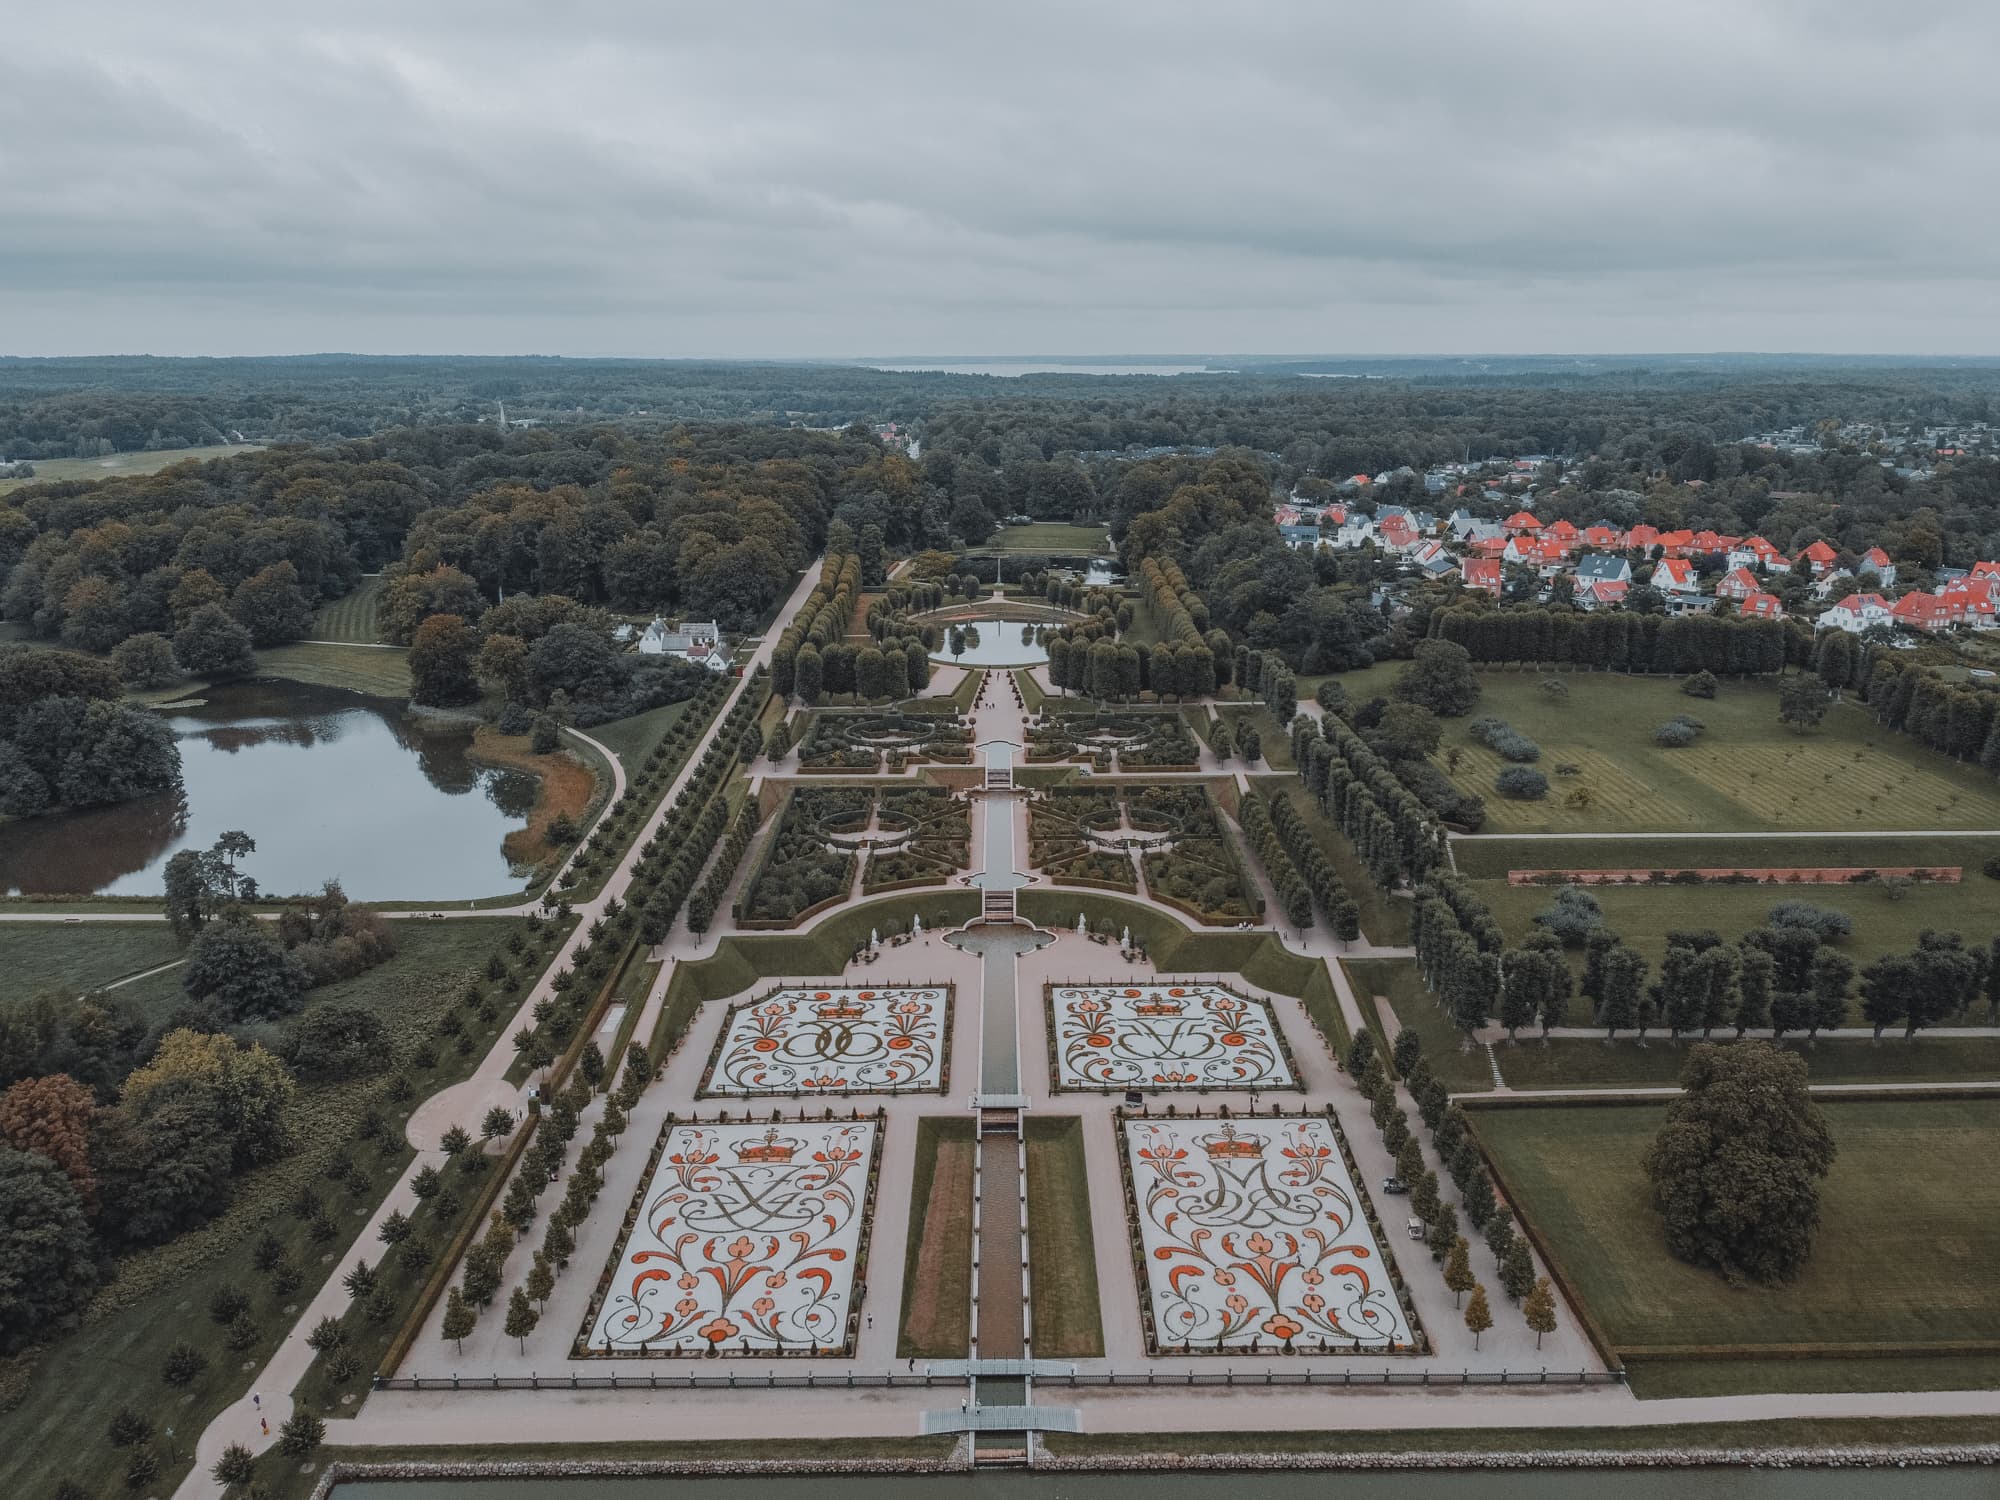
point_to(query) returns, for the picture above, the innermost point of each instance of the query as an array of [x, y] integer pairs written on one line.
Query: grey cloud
[[1127, 175]]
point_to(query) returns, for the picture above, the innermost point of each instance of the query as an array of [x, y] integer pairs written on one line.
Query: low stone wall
[[1820, 875], [341, 1472], [1926, 1456]]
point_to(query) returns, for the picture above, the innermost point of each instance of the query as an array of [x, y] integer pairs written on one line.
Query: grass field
[[353, 618], [117, 465], [633, 739], [380, 672], [1062, 1261], [1746, 771], [87, 956], [1904, 1258], [1643, 915], [1046, 536], [937, 1265], [68, 1392]]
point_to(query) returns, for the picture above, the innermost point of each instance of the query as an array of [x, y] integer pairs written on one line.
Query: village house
[[1738, 584], [1603, 536], [1433, 560], [1971, 603], [1761, 606], [1820, 556], [1921, 611], [1856, 613], [1521, 524], [1482, 573], [1299, 538], [1878, 562], [1602, 568], [698, 641]]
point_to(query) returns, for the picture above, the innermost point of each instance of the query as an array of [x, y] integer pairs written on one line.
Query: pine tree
[[541, 1281], [459, 1318], [1540, 1310], [1458, 1270], [1478, 1316]]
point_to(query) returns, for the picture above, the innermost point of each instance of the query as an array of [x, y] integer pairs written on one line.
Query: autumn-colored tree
[[1478, 1316], [51, 1117], [1540, 1310], [251, 1087]]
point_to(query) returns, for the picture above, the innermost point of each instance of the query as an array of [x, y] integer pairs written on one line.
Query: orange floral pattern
[[1164, 1036], [747, 1245], [1254, 1234], [844, 1041]]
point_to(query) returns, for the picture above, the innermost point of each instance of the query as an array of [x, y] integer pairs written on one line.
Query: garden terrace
[[1149, 741], [938, 846], [862, 741], [1201, 875], [1066, 827], [800, 871]]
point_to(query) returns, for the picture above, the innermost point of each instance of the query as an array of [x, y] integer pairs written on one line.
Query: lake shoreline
[[564, 783]]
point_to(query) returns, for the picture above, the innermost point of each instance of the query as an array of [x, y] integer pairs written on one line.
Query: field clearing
[[56, 956], [1485, 858], [354, 618], [1062, 1260], [633, 739], [1046, 536], [1904, 1258], [937, 1260], [120, 465], [1746, 772], [1644, 914], [378, 672]]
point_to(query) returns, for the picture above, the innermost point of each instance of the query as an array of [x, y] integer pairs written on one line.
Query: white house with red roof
[[1601, 593], [1710, 544], [1985, 570], [1883, 566], [1562, 533], [1820, 556], [1604, 537], [1521, 524], [1918, 610], [1397, 534], [1856, 613], [1481, 573], [1761, 606], [1643, 538], [1676, 575], [1738, 584]]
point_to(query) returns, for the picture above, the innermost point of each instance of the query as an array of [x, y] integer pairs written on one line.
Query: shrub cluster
[[1504, 740]]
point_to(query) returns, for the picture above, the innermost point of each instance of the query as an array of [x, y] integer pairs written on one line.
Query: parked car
[[1416, 1228], [1394, 1185]]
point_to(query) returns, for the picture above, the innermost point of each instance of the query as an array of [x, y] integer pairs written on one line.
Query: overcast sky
[[769, 178]]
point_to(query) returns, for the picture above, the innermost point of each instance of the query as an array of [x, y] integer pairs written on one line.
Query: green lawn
[[1904, 1257], [1276, 744], [118, 465], [69, 1390], [1062, 1259], [81, 956], [1485, 858], [1643, 915], [1746, 772], [936, 1318], [1052, 537], [353, 618], [378, 671], [633, 739]]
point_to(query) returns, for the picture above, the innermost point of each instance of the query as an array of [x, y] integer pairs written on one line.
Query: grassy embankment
[[61, 1397], [1062, 1258], [344, 650], [1898, 1286], [1746, 772], [1053, 537], [937, 1265]]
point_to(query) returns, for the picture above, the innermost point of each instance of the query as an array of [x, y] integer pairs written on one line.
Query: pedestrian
[[871, 1322], [913, 1363], [265, 1423], [257, 1400]]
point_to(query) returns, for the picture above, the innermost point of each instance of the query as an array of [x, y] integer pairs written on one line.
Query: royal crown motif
[[1226, 1145], [841, 1010], [1160, 1005], [770, 1149]]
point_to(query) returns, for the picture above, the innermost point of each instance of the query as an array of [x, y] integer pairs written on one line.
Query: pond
[[1452, 1484], [331, 785], [1000, 645]]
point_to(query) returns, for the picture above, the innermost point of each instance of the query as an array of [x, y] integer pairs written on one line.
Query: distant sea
[[1030, 367]]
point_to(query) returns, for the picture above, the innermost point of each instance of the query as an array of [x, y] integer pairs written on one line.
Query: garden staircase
[[997, 906]]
